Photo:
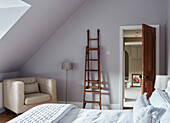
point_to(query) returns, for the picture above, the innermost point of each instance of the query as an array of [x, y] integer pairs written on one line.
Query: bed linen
[[45, 113], [67, 113], [98, 116]]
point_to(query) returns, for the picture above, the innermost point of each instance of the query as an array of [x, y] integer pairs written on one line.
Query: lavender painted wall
[[168, 37], [9, 75], [32, 30], [68, 44]]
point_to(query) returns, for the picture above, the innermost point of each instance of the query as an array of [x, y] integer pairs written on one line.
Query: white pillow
[[143, 112], [31, 88], [168, 88], [169, 83], [159, 99], [140, 104], [149, 118], [166, 117]]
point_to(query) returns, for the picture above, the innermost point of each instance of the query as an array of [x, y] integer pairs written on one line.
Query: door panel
[[148, 58]]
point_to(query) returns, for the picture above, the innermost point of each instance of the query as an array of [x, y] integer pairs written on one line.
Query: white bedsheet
[[98, 116], [67, 113]]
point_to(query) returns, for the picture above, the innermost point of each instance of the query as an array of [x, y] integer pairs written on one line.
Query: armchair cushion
[[36, 98], [31, 88]]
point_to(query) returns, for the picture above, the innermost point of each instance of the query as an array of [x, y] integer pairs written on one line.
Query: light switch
[[108, 52]]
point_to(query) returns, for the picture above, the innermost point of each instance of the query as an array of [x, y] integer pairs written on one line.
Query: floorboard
[[4, 117]]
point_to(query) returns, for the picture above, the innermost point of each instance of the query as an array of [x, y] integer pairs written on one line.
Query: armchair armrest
[[13, 94], [48, 86]]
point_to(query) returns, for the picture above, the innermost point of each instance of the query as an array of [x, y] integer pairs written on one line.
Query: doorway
[[131, 64]]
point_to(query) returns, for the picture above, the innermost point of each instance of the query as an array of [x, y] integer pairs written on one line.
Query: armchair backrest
[[27, 80]]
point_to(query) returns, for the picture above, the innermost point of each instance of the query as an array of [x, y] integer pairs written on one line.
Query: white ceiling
[[132, 33], [32, 30], [12, 3], [10, 12]]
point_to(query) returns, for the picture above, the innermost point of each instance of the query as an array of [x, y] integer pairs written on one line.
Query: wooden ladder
[[88, 83]]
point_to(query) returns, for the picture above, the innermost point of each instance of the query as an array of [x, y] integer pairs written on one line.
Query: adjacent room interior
[[133, 66]]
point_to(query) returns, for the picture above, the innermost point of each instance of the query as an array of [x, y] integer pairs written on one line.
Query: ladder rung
[[92, 91], [91, 102], [92, 48], [93, 39], [92, 59], [89, 87], [92, 70], [92, 81], [93, 87]]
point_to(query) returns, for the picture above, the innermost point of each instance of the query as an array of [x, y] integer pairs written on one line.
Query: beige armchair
[[21, 94]]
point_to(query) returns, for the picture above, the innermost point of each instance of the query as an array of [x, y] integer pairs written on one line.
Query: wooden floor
[[4, 117]]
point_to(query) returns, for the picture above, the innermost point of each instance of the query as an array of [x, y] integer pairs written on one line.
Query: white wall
[[8, 75], [1, 96], [68, 44], [168, 37]]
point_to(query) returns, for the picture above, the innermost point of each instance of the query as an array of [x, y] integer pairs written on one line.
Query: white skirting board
[[93, 106]]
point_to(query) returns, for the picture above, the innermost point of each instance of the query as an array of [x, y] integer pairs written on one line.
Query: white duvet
[[98, 116], [67, 113]]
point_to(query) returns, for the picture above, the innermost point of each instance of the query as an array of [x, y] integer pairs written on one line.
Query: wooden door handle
[[147, 76]]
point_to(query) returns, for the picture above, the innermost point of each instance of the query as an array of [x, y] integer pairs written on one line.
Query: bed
[[68, 113]]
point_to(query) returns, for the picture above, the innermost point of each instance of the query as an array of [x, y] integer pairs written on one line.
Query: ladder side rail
[[88, 76], [98, 36], [88, 73], [99, 78], [84, 104], [88, 37], [99, 84]]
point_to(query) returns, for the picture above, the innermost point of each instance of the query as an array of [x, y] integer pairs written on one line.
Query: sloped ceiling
[[32, 30]]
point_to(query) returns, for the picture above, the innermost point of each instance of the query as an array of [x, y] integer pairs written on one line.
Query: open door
[[148, 58]]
